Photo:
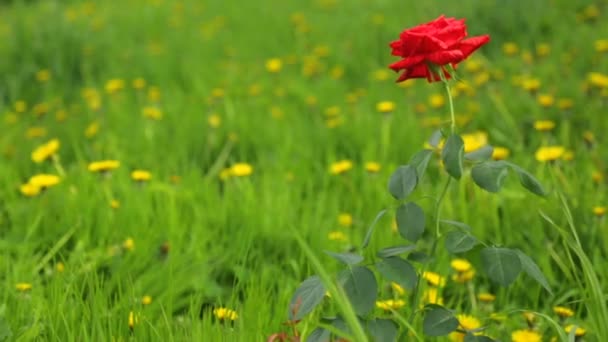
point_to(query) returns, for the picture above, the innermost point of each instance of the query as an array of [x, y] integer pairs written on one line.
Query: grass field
[[235, 114]]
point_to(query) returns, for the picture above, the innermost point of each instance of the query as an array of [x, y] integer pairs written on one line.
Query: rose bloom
[[429, 47]]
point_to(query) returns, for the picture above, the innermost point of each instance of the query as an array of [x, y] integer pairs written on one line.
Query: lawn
[[174, 170]]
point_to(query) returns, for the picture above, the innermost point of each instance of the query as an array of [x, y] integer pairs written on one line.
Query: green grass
[[231, 242]]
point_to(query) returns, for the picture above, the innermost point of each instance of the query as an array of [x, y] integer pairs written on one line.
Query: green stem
[[437, 209]]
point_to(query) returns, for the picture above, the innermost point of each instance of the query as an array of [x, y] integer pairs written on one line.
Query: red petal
[[468, 46], [445, 57], [407, 63]]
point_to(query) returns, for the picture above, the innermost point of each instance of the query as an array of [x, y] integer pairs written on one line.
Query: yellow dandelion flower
[[40, 109], [29, 190], [545, 100], [398, 289], [466, 323], [432, 296], [146, 300], [568, 155], [43, 75], [474, 141], [20, 106], [601, 45], [332, 111], [141, 175], [463, 277], [500, 153], [274, 65], [481, 78], [525, 335], [390, 304], [45, 151], [530, 84], [385, 106], [103, 165], [44, 180], [579, 332], [224, 174], [381, 75], [461, 265], [563, 311], [486, 297], [591, 12], [139, 83], [530, 317], [60, 267], [334, 122], [599, 210], [128, 244], [434, 279], [35, 132], [340, 167], [336, 72], [225, 314], [589, 137], [597, 79], [241, 170], [337, 236], [114, 204], [214, 120], [510, 49], [345, 220], [565, 103], [543, 49], [436, 101], [23, 287], [372, 167], [154, 94], [549, 153], [152, 112], [544, 125], [92, 129], [114, 85], [473, 65], [133, 320]]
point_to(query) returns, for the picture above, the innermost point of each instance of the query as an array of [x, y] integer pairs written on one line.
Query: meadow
[[173, 170]]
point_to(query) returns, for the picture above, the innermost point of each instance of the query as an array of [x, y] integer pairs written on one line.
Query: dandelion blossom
[[225, 314], [525, 335], [549, 153]]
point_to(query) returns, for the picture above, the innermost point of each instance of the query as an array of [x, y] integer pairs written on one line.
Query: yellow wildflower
[[601, 45], [214, 120], [337, 236], [340, 167], [92, 129], [466, 323], [474, 141], [146, 300], [579, 331], [390, 304], [398, 289], [545, 100], [530, 84], [60, 267], [432, 296], [139, 83], [128, 244], [43, 75], [543, 49], [114, 204], [599, 210], [345, 219], [141, 175], [563, 311], [544, 125], [372, 167], [153, 94], [241, 170], [133, 320], [20, 106], [332, 111], [565, 103], [23, 287], [500, 153], [40, 109], [486, 297], [549, 153], [461, 265], [274, 65], [152, 112], [35, 132], [103, 165], [114, 85], [436, 101], [381, 75], [29, 190], [45, 151], [463, 277], [225, 314], [434, 279], [525, 335], [510, 49], [44, 180], [597, 79], [385, 106]]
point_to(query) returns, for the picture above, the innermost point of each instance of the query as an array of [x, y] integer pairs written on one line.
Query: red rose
[[436, 43]]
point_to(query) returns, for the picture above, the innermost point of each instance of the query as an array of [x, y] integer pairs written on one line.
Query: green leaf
[[399, 271], [370, 230], [420, 161], [306, 298], [477, 338], [402, 182], [530, 267], [482, 154], [452, 155], [459, 242], [395, 250], [319, 335], [502, 265], [528, 181], [382, 330], [420, 257], [435, 138], [490, 176], [346, 258], [5, 329], [460, 225], [361, 288], [438, 321], [410, 221]]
